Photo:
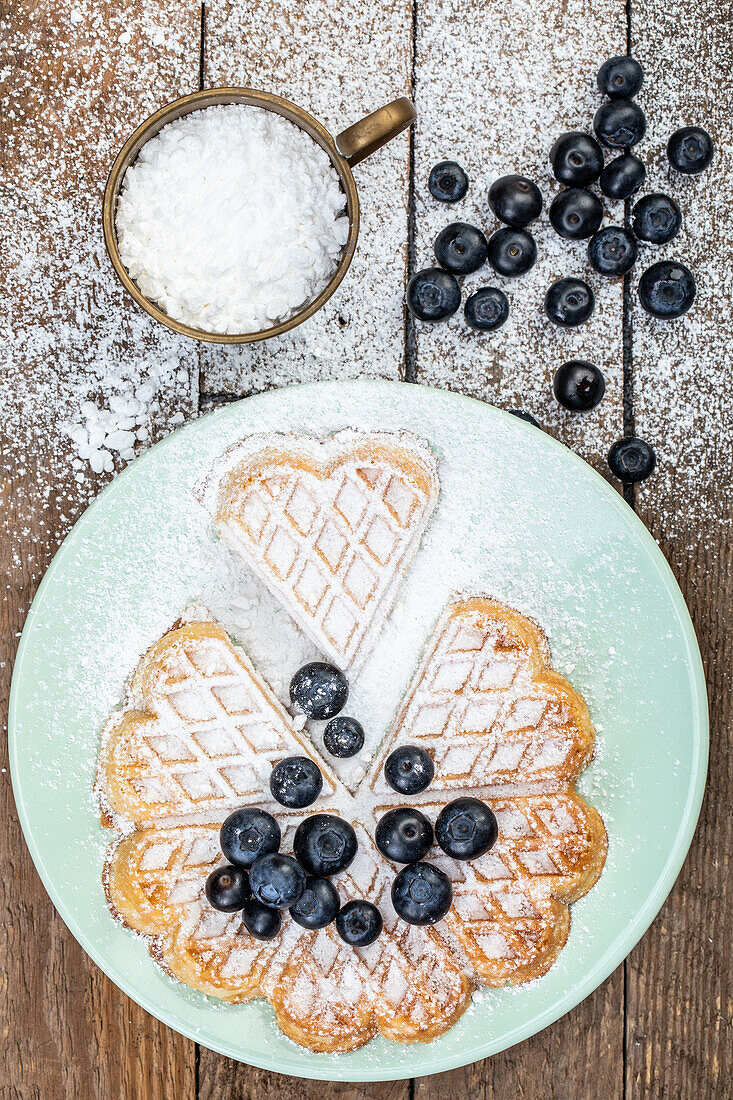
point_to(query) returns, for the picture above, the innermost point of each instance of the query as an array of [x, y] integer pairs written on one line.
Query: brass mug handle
[[359, 141]]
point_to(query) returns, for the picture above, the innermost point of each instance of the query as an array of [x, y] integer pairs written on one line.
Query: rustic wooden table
[[493, 83]]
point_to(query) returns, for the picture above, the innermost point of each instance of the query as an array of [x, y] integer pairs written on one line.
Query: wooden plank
[[680, 1015], [358, 56], [234, 1081], [339, 61], [553, 1065], [493, 91], [76, 78]]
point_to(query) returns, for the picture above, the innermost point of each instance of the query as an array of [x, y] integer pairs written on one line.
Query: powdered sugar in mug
[[221, 222]]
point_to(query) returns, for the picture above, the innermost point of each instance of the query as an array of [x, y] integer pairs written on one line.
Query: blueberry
[[404, 835], [578, 385], [247, 834], [690, 150], [522, 415], [516, 201], [657, 218], [343, 736], [447, 181], [324, 844], [359, 923], [227, 888], [318, 905], [623, 176], [576, 159], [667, 289], [409, 770], [569, 302], [433, 294], [466, 828], [277, 880], [512, 252], [296, 782], [576, 213], [460, 248], [612, 251], [619, 123], [421, 894], [631, 459], [620, 77], [261, 921], [486, 309], [320, 690]]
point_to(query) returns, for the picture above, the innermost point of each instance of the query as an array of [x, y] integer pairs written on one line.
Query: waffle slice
[[329, 527], [490, 709], [510, 912], [201, 732], [503, 726], [326, 995]]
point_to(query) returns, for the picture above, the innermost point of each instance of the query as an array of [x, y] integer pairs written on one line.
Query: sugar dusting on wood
[[493, 91], [70, 336]]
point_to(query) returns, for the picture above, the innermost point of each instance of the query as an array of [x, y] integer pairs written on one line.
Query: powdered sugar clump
[[102, 435], [231, 219]]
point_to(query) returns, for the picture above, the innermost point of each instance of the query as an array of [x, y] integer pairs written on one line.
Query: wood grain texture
[[339, 61], [493, 89], [75, 79], [227, 1080], [579, 1056], [680, 1011]]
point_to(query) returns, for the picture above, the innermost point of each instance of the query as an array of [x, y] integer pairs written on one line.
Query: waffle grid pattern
[[330, 540], [487, 718], [510, 914], [207, 736], [408, 980]]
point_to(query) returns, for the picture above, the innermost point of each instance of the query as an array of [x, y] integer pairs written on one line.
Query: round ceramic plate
[[519, 517]]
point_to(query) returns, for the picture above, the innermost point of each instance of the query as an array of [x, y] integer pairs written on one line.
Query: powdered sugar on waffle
[[329, 526], [509, 921], [201, 732]]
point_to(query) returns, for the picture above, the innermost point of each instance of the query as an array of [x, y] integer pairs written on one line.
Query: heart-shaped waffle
[[503, 726], [329, 527], [201, 733], [509, 917], [326, 995]]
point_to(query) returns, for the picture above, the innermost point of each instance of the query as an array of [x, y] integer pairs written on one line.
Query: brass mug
[[346, 150]]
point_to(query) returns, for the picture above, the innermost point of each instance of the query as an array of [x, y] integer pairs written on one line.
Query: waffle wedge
[[329, 527], [326, 995], [201, 732], [503, 726]]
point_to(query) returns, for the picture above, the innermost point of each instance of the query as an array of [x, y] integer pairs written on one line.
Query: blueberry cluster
[[464, 829], [320, 691], [260, 881], [666, 289], [434, 294]]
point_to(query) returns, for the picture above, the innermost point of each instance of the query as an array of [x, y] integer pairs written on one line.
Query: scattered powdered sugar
[[231, 219]]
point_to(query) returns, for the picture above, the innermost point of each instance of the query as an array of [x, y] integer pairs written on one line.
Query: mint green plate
[[520, 517]]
